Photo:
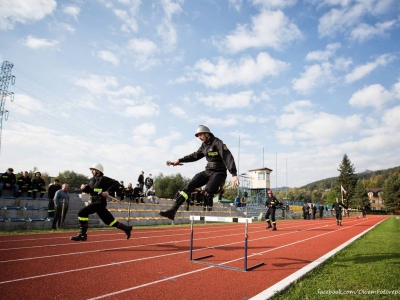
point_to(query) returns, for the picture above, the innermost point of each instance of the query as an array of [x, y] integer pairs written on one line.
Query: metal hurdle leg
[[221, 219]]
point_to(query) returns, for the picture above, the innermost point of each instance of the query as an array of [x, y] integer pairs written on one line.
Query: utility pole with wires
[[5, 79]]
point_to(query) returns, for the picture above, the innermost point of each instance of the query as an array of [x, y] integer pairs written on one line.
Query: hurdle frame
[[221, 219]]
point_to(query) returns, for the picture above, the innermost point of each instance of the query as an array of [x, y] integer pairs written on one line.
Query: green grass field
[[369, 265]]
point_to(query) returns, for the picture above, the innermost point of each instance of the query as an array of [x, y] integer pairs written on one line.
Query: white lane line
[[203, 269], [144, 245]]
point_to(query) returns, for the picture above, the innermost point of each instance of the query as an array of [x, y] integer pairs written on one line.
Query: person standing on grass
[[337, 207], [99, 188], [219, 160], [271, 205]]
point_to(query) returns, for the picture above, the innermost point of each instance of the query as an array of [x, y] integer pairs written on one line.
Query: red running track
[[154, 263]]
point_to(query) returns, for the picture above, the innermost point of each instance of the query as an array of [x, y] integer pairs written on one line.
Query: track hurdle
[[222, 219]]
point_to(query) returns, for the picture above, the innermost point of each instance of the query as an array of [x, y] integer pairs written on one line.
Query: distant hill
[[367, 175]]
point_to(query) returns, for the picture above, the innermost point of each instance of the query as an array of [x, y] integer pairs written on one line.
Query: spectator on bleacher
[[38, 185], [99, 188], [237, 201], [141, 180], [271, 204], [53, 188], [9, 181], [151, 195], [219, 160], [121, 190], [61, 205], [243, 202], [25, 185], [321, 211], [137, 193], [148, 183], [129, 192]]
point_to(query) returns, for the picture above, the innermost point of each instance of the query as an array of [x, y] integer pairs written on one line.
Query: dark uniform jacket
[[321, 208], [338, 206], [137, 191], [218, 156], [271, 202], [141, 179], [129, 192], [52, 190], [24, 181], [100, 184], [8, 178], [38, 182]]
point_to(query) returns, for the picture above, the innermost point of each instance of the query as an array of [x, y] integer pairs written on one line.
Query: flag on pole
[[342, 190]]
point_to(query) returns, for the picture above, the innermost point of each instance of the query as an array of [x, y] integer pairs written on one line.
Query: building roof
[[261, 169]]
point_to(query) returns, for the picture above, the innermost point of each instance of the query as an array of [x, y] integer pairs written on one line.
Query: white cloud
[[126, 15], [66, 27], [340, 20], [363, 70], [224, 101], [108, 56], [300, 124], [237, 4], [274, 3], [365, 32], [245, 71], [142, 111], [177, 111], [166, 30], [24, 12], [269, 29], [145, 129], [73, 11], [323, 55], [374, 95], [142, 53], [97, 84], [25, 105], [36, 43], [312, 77]]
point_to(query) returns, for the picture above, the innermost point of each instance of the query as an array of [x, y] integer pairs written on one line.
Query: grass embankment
[[369, 268]]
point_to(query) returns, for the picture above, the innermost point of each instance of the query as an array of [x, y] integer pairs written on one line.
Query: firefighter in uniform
[[219, 159], [271, 205], [337, 207], [24, 183], [38, 185], [99, 188]]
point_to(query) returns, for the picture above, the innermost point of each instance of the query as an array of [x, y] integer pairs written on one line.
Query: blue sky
[[288, 85]]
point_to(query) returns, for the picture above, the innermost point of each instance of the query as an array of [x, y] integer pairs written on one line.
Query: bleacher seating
[[12, 207], [36, 219], [16, 220], [31, 207], [2, 220]]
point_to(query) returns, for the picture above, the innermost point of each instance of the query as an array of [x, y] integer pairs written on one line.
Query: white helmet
[[201, 129], [97, 167]]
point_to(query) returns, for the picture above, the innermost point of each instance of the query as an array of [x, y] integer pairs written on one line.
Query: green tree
[[73, 179], [360, 198], [316, 196], [168, 186], [391, 192], [347, 178]]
